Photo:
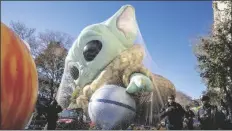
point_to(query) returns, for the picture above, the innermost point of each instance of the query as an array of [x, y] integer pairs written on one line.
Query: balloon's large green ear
[[124, 25], [126, 22]]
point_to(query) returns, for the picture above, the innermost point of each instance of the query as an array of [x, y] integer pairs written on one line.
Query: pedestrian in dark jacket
[[226, 116], [173, 114], [189, 117], [52, 115], [210, 118]]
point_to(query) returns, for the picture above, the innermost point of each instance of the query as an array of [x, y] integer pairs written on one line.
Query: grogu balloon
[[113, 53]]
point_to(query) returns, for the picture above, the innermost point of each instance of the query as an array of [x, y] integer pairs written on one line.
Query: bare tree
[[50, 63], [49, 48], [22, 30], [26, 33], [48, 36]]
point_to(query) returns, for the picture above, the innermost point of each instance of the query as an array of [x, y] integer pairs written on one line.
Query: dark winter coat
[[174, 116]]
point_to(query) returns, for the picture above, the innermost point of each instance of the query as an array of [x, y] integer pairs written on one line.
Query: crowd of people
[[175, 116], [210, 117]]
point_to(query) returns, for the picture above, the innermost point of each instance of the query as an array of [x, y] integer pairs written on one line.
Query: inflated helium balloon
[[113, 52], [19, 81]]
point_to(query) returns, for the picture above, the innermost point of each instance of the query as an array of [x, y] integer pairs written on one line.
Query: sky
[[168, 29]]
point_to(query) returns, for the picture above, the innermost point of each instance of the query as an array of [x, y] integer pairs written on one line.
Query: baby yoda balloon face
[[107, 53], [99, 44]]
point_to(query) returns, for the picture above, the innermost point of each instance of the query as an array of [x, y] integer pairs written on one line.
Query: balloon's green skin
[[114, 41], [139, 82]]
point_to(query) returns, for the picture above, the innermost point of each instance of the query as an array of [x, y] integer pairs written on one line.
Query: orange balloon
[[19, 81]]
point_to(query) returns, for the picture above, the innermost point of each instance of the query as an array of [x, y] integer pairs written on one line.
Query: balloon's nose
[[74, 71]]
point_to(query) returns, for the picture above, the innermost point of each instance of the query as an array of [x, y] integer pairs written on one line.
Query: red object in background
[[19, 81], [92, 124], [65, 120]]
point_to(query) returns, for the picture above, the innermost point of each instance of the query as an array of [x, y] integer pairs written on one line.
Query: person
[[230, 120], [137, 128], [208, 115], [52, 115], [142, 127], [160, 125], [173, 113], [189, 115], [133, 126], [129, 128], [38, 110], [225, 110], [226, 114]]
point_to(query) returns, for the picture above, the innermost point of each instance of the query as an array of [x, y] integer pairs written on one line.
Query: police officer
[[189, 114], [173, 114], [208, 115]]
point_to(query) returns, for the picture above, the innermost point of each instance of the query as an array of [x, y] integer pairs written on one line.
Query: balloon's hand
[[139, 83]]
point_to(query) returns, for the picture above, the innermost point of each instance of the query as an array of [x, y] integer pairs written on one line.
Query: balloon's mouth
[[114, 103]]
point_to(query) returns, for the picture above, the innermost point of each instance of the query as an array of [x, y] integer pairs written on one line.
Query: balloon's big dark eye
[[74, 72], [92, 49]]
